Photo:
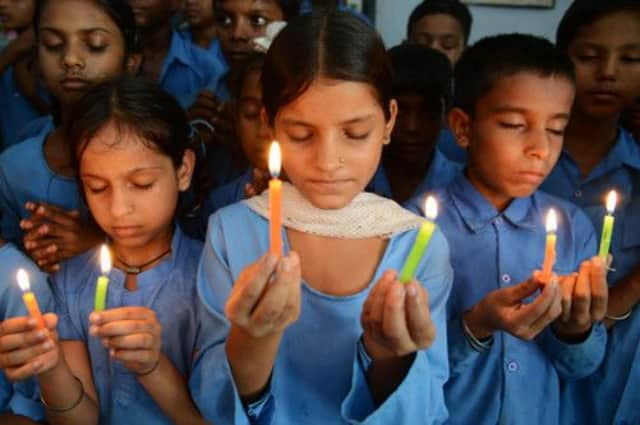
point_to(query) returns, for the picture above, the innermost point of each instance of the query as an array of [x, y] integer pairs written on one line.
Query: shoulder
[[14, 157]]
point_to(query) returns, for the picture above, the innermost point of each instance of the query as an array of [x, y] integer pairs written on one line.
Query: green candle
[[103, 281], [422, 241], [607, 226]]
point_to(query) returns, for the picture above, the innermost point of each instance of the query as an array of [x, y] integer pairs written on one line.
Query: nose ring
[[341, 160]]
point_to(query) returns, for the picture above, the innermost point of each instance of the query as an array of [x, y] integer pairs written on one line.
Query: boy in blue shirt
[[511, 342]]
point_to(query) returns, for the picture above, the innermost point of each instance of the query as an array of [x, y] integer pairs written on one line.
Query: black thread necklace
[[137, 269]]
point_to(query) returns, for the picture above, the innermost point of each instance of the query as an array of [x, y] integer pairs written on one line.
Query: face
[[516, 135], [16, 15], [79, 47], [198, 13], [440, 32], [240, 21], [606, 55], [132, 190], [332, 137], [150, 14], [417, 127], [254, 134]]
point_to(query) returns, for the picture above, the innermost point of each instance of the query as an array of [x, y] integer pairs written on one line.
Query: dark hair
[[253, 62], [336, 45], [453, 8], [118, 10], [133, 104], [493, 58], [290, 8], [584, 12], [421, 70]]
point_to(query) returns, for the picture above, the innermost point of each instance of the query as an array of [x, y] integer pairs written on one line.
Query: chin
[[329, 202]]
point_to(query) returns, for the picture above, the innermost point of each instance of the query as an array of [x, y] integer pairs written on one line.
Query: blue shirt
[[26, 176], [168, 289], [441, 171], [515, 381], [23, 397], [188, 69], [450, 148], [319, 373], [16, 110]]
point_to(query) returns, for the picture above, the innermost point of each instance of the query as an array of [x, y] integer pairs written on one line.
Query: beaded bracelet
[[65, 409]]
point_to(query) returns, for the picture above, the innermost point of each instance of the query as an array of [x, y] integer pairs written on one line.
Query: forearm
[[251, 360], [384, 376], [169, 390], [11, 419], [624, 296]]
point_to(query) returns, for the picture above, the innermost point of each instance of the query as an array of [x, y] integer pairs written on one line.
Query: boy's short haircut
[[454, 8], [290, 8], [584, 12], [493, 58], [421, 70]]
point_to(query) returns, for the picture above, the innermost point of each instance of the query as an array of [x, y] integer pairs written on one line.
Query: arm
[[18, 48], [624, 296], [11, 419]]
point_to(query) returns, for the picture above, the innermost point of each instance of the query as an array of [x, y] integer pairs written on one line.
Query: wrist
[[473, 320], [571, 334]]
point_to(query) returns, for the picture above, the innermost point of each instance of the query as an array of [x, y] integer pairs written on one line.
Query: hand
[[396, 319], [132, 335], [259, 183], [505, 310], [584, 300], [209, 108], [25, 350], [53, 235], [266, 297]]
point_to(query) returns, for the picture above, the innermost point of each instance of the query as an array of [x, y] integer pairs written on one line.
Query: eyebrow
[[355, 120], [84, 30], [130, 173], [517, 110], [595, 46]]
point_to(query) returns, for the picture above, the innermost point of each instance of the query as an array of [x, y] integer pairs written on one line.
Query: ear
[[388, 127], [185, 171], [133, 64], [460, 125]]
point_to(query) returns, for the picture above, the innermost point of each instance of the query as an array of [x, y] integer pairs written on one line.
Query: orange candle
[[275, 200], [550, 248], [29, 298]]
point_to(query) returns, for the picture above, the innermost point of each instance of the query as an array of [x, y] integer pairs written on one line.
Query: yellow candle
[[550, 248], [422, 241], [607, 226], [275, 200], [103, 281], [29, 298]]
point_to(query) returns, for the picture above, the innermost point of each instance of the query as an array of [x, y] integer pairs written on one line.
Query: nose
[[121, 203], [538, 144], [608, 67], [72, 58], [327, 153], [241, 30]]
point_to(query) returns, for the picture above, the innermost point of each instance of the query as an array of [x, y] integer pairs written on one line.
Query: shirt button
[[498, 220], [506, 278], [512, 366], [578, 193]]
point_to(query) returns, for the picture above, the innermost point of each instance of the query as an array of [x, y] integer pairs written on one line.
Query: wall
[[392, 16]]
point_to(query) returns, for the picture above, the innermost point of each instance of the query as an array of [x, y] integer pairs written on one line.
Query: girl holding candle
[[512, 333], [326, 333]]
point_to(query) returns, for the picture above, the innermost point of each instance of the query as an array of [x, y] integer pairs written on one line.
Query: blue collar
[[180, 51]]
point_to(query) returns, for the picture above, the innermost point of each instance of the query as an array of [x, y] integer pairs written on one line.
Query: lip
[[72, 83], [123, 232], [328, 185], [604, 95], [531, 177], [238, 55]]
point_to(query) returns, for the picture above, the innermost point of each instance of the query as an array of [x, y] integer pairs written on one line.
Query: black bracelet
[[65, 409]]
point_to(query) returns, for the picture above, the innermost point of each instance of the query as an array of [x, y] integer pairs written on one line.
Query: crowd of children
[[149, 124]]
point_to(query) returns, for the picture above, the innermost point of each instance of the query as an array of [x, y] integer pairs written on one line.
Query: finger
[[138, 341], [552, 313], [43, 255], [529, 313], [22, 372], [567, 284], [140, 356], [419, 322], [275, 296], [250, 286], [19, 357], [122, 313], [38, 230], [16, 325], [122, 328], [523, 290], [394, 323], [373, 314], [582, 293], [57, 215], [599, 289]]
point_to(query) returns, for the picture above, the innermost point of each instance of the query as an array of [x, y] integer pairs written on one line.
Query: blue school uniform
[[26, 176], [17, 111], [319, 374], [515, 381], [450, 148], [23, 397], [441, 171], [168, 289], [229, 193], [188, 70]]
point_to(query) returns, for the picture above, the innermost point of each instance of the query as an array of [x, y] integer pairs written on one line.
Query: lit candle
[[550, 248], [422, 241], [103, 280], [607, 226], [275, 200], [29, 298]]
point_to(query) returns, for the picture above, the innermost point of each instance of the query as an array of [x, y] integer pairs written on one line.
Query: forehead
[[248, 6], [76, 15], [438, 24], [618, 28]]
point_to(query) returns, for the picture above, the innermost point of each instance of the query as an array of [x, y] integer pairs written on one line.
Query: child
[[603, 41], [131, 360], [180, 67], [80, 44], [311, 346], [18, 103], [631, 120], [202, 29], [21, 397], [509, 344], [411, 163]]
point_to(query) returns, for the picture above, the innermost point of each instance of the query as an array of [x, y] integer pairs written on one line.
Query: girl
[[603, 41], [128, 363], [80, 44], [202, 30], [326, 333]]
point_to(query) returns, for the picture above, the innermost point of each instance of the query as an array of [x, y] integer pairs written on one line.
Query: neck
[[499, 201], [203, 36], [156, 41], [588, 140], [136, 255], [57, 153]]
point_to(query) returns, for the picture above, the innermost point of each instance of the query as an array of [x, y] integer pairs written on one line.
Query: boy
[[510, 342]]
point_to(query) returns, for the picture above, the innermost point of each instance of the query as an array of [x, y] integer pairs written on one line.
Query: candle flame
[[431, 208], [23, 280], [275, 159], [552, 221], [612, 200], [105, 260]]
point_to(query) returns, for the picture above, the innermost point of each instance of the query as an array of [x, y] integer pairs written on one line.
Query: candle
[[275, 200], [103, 280], [29, 298], [550, 248], [607, 226], [421, 243]]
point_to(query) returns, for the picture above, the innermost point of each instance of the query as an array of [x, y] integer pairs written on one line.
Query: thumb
[[523, 289]]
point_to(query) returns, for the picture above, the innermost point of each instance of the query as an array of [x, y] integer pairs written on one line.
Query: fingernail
[[47, 345], [93, 330], [412, 291], [31, 321], [37, 366], [42, 333], [112, 352], [94, 317]]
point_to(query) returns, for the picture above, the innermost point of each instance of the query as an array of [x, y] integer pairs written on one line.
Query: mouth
[[531, 177], [238, 55], [328, 185], [123, 232], [604, 95], [74, 83]]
